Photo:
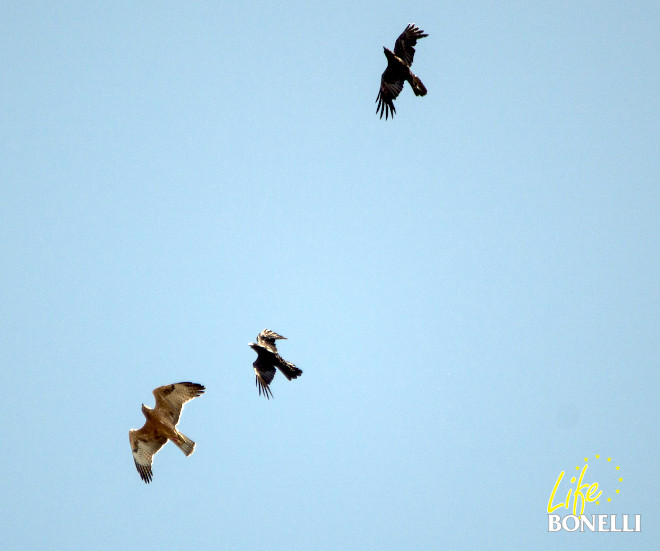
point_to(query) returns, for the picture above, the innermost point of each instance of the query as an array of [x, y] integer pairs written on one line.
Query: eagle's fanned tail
[[186, 445]]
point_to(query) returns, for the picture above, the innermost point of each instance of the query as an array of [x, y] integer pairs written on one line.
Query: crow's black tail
[[418, 87]]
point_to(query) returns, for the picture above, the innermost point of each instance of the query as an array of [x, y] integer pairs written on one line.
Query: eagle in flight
[[398, 71], [161, 425], [268, 359]]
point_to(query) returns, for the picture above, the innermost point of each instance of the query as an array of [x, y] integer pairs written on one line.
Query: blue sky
[[471, 289]]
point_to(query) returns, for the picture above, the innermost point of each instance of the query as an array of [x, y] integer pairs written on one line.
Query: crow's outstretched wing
[[390, 88], [264, 373], [267, 339], [404, 46]]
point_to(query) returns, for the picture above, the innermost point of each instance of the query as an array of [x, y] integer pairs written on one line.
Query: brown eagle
[[161, 425], [398, 71], [268, 359]]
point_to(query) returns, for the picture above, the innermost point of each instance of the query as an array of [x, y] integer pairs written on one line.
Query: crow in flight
[[268, 359], [398, 71]]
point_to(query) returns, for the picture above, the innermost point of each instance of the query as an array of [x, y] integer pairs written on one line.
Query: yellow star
[[609, 459], [620, 479], [617, 467], [617, 491], [577, 468], [609, 499], [597, 456], [598, 503], [586, 459]]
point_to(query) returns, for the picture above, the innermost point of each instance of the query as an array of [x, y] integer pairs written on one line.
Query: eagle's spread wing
[[144, 445], [404, 46], [170, 398], [390, 88], [267, 339]]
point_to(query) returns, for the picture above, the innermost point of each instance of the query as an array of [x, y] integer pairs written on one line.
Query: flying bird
[[161, 425], [268, 359], [398, 71]]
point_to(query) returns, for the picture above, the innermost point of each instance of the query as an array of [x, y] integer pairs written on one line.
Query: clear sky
[[471, 289]]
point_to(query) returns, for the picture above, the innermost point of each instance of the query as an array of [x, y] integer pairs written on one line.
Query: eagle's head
[[389, 54]]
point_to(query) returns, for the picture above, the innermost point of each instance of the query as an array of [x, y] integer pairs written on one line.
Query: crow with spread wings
[[268, 359], [398, 71]]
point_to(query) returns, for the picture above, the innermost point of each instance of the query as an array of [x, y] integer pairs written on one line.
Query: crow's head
[[389, 54]]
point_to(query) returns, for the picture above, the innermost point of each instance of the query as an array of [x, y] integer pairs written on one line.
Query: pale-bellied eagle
[[161, 425]]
